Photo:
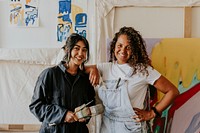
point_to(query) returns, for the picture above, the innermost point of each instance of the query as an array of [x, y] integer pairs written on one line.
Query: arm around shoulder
[[93, 74]]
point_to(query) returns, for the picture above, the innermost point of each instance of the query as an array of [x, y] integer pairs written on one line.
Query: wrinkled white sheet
[[19, 69], [16, 88], [42, 56]]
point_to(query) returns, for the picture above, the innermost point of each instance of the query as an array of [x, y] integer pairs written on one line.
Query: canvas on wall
[[23, 13], [178, 60], [72, 17]]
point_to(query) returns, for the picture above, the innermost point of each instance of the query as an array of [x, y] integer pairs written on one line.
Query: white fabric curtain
[[19, 70]]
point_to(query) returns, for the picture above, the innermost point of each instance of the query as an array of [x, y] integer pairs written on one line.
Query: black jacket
[[55, 94]]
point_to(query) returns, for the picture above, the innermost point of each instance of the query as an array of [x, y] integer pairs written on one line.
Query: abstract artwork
[[23, 13], [178, 60], [72, 17]]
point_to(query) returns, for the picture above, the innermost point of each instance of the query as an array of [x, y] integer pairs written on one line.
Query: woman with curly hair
[[124, 84]]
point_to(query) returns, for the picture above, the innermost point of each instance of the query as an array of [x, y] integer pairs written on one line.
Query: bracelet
[[156, 112]]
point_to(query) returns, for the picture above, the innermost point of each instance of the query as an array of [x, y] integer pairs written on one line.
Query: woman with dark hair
[[124, 84], [62, 89]]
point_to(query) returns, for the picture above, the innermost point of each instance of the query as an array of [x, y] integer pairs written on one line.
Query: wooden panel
[[19, 127], [187, 22]]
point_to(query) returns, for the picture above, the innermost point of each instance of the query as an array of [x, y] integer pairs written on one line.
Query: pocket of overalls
[[111, 98], [132, 127]]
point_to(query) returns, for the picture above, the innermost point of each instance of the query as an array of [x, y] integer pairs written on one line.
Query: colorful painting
[[72, 17], [24, 13], [178, 60]]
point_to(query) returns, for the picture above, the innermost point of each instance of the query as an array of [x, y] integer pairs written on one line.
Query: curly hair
[[139, 59]]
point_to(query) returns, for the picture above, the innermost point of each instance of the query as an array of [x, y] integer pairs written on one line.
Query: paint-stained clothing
[[57, 92]]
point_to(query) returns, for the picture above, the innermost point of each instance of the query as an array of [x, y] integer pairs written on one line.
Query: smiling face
[[122, 49], [78, 54], [77, 51]]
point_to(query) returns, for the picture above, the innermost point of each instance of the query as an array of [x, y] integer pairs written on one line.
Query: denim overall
[[118, 109]]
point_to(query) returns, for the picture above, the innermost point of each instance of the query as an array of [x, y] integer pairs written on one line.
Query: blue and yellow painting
[[72, 17], [24, 13]]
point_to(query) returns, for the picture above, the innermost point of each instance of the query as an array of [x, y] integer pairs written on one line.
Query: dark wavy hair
[[71, 41], [139, 59]]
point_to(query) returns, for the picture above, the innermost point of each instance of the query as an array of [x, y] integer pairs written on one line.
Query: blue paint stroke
[[65, 10], [63, 28], [31, 15], [81, 23]]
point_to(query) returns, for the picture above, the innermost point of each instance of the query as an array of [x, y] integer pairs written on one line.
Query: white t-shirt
[[137, 83]]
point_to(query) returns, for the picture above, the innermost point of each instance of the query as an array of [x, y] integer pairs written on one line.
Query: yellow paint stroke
[[28, 1], [60, 21], [177, 59], [15, 19], [75, 10]]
